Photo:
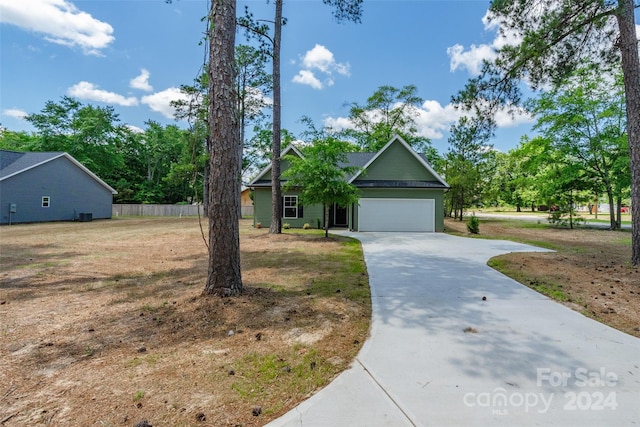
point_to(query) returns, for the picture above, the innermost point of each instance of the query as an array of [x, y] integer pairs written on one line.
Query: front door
[[340, 218]]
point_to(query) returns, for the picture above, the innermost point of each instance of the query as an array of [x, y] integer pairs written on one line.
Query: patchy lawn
[[589, 271], [103, 323]]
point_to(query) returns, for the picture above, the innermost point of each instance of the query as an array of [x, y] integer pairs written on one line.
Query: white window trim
[[48, 201], [284, 207]]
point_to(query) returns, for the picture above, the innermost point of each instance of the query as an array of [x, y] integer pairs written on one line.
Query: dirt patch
[[103, 323], [589, 272]]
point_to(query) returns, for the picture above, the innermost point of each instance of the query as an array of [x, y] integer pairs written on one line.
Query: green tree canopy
[[548, 40], [320, 176], [584, 118], [387, 112]]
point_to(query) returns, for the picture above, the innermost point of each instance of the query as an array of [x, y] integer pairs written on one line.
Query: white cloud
[[432, 119], [15, 113], [161, 101], [520, 116], [141, 82], [60, 22], [306, 77], [91, 92], [134, 129], [338, 123], [320, 60], [473, 58]]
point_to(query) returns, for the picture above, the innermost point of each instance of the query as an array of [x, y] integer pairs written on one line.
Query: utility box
[[13, 208]]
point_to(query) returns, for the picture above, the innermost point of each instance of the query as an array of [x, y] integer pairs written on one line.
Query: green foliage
[[585, 123], [162, 164], [286, 226], [555, 37], [467, 165], [565, 217], [319, 176], [389, 111], [257, 152], [473, 225]]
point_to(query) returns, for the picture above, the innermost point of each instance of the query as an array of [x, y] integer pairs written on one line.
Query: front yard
[[103, 323]]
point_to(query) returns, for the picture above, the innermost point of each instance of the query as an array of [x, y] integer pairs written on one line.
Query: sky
[[134, 54]]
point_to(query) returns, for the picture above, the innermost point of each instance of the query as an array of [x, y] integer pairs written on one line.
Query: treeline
[[160, 164], [579, 156]]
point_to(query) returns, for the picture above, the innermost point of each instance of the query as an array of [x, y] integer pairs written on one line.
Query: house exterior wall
[[397, 164], [284, 165], [262, 210], [70, 189], [395, 193]]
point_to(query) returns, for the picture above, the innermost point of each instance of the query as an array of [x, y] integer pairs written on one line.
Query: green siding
[[393, 193], [284, 165], [397, 164], [262, 210]]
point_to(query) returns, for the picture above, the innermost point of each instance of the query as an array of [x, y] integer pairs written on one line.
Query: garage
[[396, 215]]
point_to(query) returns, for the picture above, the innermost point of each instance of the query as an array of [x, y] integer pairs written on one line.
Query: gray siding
[[70, 189]]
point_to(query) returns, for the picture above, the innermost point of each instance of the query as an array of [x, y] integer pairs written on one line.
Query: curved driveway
[[453, 342]]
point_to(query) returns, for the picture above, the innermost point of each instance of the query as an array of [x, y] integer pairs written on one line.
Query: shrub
[[473, 225], [306, 226], [286, 226]]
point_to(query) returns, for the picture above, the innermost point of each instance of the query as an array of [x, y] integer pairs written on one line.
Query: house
[[399, 191], [246, 204], [37, 187]]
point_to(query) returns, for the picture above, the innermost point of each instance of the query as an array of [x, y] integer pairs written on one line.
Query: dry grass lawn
[[103, 323]]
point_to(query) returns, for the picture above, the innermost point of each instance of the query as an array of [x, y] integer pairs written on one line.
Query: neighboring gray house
[[37, 187]]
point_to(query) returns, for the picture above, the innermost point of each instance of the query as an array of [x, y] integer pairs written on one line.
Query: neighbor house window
[[290, 208], [46, 201]]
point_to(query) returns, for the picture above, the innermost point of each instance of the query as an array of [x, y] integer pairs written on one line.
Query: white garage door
[[396, 215]]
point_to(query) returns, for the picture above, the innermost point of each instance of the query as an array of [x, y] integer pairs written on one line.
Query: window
[[46, 201], [290, 207]]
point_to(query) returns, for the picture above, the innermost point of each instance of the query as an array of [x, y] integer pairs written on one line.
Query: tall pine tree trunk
[[224, 238], [631, 71], [276, 193]]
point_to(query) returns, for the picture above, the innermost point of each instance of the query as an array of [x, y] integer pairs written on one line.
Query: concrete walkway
[[455, 343]]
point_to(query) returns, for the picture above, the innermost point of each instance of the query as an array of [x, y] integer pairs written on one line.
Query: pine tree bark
[[631, 70], [276, 193], [224, 276]]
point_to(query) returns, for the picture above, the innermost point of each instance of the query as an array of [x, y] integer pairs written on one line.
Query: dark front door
[[340, 218]]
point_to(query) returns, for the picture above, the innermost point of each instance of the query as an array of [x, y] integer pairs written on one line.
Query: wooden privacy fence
[[165, 210]]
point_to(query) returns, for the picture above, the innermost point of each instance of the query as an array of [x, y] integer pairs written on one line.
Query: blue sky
[[133, 55]]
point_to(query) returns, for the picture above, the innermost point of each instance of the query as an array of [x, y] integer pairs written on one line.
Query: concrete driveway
[[455, 343]]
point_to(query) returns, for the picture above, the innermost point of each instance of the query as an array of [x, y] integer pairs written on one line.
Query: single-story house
[[39, 187], [399, 191]]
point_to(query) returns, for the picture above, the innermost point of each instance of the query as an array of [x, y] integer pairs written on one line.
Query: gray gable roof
[[13, 163], [362, 161]]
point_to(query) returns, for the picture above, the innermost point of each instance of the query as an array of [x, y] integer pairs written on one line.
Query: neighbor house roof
[[361, 161], [13, 163]]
